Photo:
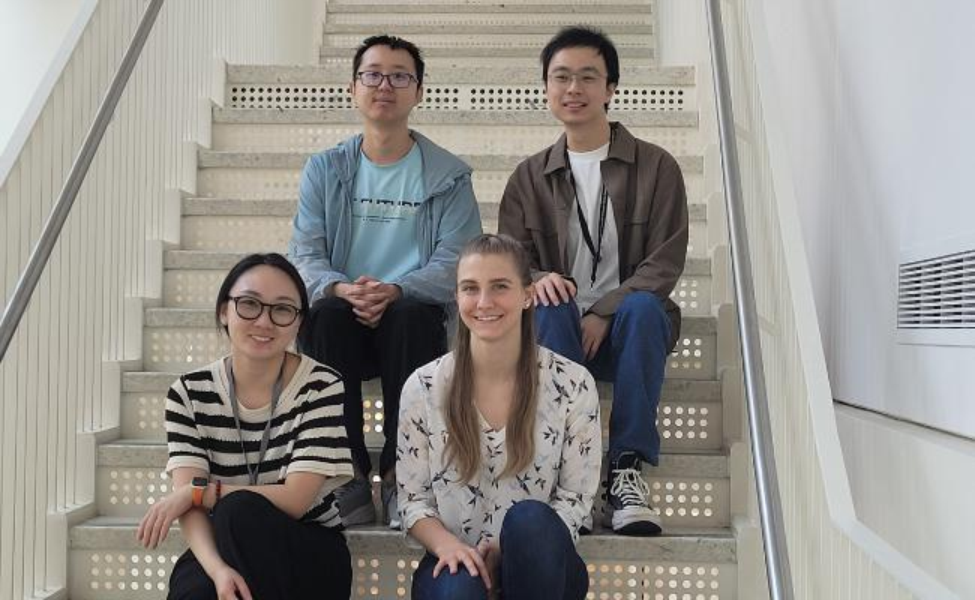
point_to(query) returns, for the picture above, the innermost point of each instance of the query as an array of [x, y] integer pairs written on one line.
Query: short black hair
[[271, 259], [582, 36], [396, 43]]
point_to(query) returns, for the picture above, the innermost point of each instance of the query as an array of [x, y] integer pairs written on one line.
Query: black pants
[[410, 334], [278, 557]]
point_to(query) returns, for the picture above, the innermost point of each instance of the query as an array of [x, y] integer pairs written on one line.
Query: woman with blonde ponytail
[[499, 446]]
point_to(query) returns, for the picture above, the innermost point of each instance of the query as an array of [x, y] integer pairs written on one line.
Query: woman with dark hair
[[256, 449], [499, 446]]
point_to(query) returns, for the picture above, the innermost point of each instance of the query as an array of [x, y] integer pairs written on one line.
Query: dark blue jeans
[[538, 562], [633, 357]]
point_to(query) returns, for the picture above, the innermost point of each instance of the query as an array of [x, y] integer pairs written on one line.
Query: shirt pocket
[[545, 237]]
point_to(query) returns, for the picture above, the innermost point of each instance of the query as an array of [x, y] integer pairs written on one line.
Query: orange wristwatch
[[199, 485]]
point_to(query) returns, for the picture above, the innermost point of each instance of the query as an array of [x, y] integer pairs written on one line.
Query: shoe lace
[[630, 488]]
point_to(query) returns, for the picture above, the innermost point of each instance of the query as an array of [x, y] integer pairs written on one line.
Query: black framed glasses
[[583, 79], [399, 79], [250, 309]]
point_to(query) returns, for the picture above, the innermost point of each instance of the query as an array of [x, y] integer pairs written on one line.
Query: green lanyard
[[252, 473]]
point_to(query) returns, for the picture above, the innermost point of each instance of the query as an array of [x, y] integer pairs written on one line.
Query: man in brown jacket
[[603, 216]]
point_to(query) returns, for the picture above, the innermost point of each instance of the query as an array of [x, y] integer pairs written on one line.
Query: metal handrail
[[15, 309], [759, 425]]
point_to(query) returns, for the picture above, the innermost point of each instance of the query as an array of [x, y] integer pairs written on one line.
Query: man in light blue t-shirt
[[381, 220]]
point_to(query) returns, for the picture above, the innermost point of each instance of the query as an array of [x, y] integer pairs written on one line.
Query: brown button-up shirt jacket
[[646, 189]]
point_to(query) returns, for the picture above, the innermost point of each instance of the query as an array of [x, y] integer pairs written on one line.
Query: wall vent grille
[[937, 293]]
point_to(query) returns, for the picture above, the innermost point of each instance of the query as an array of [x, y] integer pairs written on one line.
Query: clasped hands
[[369, 298]]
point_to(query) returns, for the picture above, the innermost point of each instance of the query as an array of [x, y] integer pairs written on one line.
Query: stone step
[[675, 391], [463, 41], [229, 207], [424, 22], [211, 225], [177, 339], [259, 233], [106, 562], [489, 116], [628, 31], [152, 455], [401, 9], [689, 418], [197, 288], [276, 175], [340, 75], [451, 96], [213, 159], [490, 176], [192, 277], [171, 348], [689, 489], [469, 140], [222, 261], [351, 5], [499, 56], [202, 318]]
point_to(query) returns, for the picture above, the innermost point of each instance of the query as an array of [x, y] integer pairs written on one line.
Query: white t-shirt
[[589, 179]]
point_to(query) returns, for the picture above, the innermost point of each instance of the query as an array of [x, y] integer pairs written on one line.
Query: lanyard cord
[[596, 250], [252, 473]]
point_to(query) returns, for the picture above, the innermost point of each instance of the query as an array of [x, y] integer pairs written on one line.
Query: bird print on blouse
[[564, 472]]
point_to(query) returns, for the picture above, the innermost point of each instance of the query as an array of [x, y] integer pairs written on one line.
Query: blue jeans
[[538, 562], [633, 357]]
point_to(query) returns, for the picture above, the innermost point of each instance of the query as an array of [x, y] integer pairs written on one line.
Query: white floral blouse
[[564, 474]]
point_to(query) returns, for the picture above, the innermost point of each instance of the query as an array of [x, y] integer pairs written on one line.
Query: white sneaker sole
[[639, 521]]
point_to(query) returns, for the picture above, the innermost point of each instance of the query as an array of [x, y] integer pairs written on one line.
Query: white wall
[[914, 486], [36, 37], [876, 101]]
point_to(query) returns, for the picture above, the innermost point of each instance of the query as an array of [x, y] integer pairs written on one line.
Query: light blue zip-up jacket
[[445, 221]]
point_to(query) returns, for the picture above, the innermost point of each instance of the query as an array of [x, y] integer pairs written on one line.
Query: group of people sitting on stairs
[[493, 451]]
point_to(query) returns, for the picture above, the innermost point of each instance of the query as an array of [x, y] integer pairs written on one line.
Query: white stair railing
[[59, 379], [756, 396]]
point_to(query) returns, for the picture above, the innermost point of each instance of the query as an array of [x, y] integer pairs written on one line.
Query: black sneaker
[[355, 502], [627, 509]]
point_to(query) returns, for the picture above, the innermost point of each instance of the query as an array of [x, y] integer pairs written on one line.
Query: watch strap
[[200, 485]]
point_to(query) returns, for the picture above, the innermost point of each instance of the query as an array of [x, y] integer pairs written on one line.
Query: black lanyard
[[252, 473], [596, 250]]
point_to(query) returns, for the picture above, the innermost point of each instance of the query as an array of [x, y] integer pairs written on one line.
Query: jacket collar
[[440, 168], [623, 148]]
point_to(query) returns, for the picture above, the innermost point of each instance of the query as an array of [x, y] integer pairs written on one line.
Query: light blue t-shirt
[[384, 205]]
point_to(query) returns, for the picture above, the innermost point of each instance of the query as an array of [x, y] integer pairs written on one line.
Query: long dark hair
[[463, 448], [271, 259]]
